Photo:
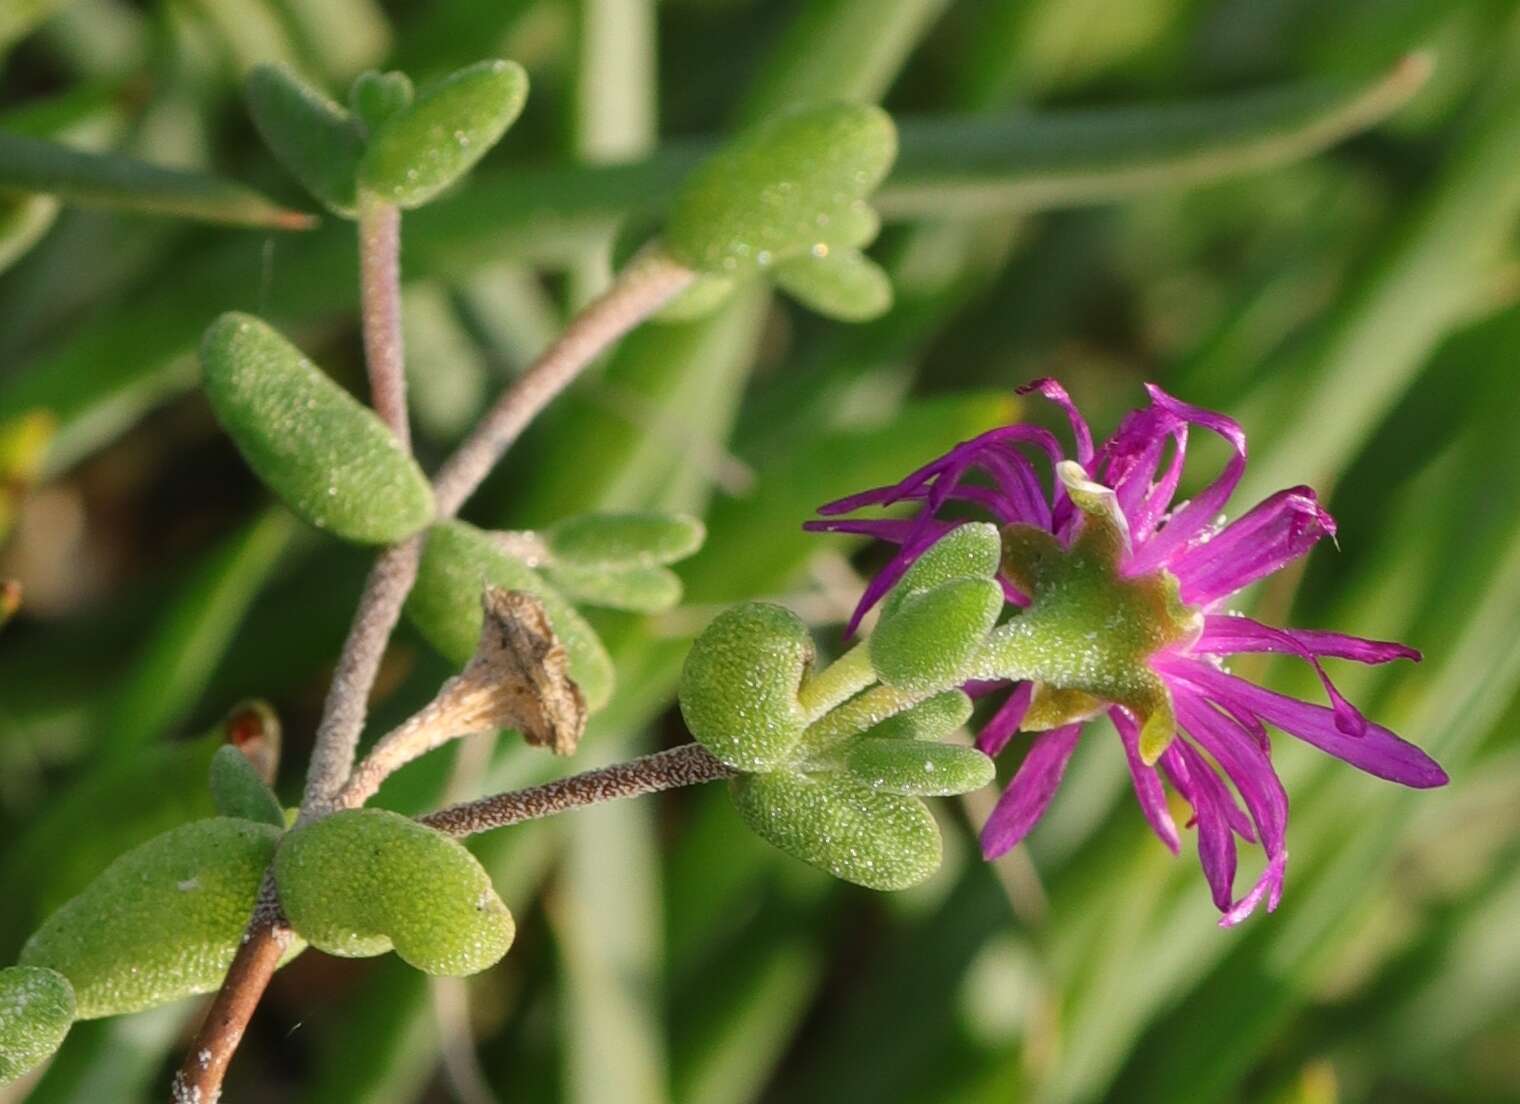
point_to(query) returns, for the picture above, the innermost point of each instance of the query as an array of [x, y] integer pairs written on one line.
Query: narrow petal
[[1053, 391], [1035, 783], [1244, 763], [1196, 781], [1378, 752], [1194, 520], [1148, 789], [1226, 634], [1273, 533], [1128, 463], [1001, 726], [1269, 885]]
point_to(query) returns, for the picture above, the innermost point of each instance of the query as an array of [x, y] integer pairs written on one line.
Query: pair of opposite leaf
[[844, 796]]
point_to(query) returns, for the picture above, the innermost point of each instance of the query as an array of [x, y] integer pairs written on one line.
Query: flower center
[[1088, 632]]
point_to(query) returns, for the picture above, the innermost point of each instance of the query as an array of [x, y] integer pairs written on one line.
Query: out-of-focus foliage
[[1263, 205]]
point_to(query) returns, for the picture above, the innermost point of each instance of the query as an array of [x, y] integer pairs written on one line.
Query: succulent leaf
[[161, 922], [458, 562], [421, 149], [874, 839], [238, 791], [364, 881], [918, 767], [316, 139], [931, 719], [624, 540], [331, 460], [36, 1012], [840, 283], [739, 686], [636, 589], [782, 187], [374, 96], [971, 551], [930, 637]]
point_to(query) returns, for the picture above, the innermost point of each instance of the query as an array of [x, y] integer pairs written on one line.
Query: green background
[[1083, 193]]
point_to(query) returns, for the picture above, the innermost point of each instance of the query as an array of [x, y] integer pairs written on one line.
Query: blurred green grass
[[1356, 308]]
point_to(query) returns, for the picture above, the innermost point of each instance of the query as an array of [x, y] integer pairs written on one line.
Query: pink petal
[[1273, 533], [1001, 726], [1196, 781], [1053, 391], [1148, 789], [1035, 783]]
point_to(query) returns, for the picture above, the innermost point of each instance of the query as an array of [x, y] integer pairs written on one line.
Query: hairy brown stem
[[647, 284], [380, 306], [199, 1080], [687, 765]]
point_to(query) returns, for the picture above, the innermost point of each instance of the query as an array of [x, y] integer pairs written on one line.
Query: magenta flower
[[1121, 596]]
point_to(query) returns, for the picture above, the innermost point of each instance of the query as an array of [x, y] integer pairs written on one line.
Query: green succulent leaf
[[422, 149], [918, 767], [364, 881], [931, 719], [739, 686], [635, 589], [874, 839], [458, 562], [331, 460], [161, 922], [972, 551], [797, 180], [238, 791], [374, 96], [927, 641], [36, 1012], [838, 282], [624, 540], [706, 294], [313, 137]]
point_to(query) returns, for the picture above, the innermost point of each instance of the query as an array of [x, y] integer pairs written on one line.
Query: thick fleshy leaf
[[313, 137], [238, 791], [927, 642], [636, 589], [76, 176], [422, 149], [839, 282], [877, 840], [374, 96], [331, 460], [971, 551], [705, 295], [624, 540], [918, 767], [931, 719], [36, 1012], [161, 922], [739, 685], [794, 181], [458, 563], [364, 881]]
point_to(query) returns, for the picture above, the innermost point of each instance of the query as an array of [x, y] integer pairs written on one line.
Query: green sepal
[[917, 767], [782, 187], [624, 540], [161, 922], [238, 791], [327, 456], [374, 96], [36, 1012], [873, 839], [425, 147], [932, 635], [315, 138], [365, 881], [458, 562], [931, 719], [837, 282], [635, 589], [972, 551], [739, 685]]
